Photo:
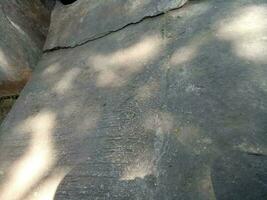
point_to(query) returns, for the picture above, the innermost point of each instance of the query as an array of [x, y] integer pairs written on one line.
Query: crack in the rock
[[255, 154], [110, 32]]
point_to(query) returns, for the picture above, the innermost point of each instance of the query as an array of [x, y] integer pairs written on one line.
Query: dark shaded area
[[6, 104], [67, 2], [49, 4], [238, 175]]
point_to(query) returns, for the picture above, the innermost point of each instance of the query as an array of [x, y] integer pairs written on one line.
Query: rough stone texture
[[89, 19], [173, 107], [23, 27], [237, 172], [49, 4]]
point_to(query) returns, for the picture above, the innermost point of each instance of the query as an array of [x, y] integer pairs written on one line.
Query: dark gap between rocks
[[67, 2], [6, 104]]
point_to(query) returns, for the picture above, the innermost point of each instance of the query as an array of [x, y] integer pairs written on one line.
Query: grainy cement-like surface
[[170, 108]]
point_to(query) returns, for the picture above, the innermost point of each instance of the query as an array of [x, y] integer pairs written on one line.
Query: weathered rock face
[[160, 109], [23, 28], [89, 19]]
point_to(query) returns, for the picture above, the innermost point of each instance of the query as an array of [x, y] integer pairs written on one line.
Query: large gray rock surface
[[86, 20], [173, 107], [23, 28]]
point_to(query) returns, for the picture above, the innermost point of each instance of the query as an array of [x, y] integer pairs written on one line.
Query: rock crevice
[[109, 32], [96, 20]]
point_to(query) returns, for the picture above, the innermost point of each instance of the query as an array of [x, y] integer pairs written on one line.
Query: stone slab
[[89, 19], [147, 112]]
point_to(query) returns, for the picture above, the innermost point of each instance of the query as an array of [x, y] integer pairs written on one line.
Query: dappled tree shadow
[[150, 117]]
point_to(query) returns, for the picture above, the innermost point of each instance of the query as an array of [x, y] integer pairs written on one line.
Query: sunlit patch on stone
[[66, 82], [247, 31], [37, 159], [116, 68]]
